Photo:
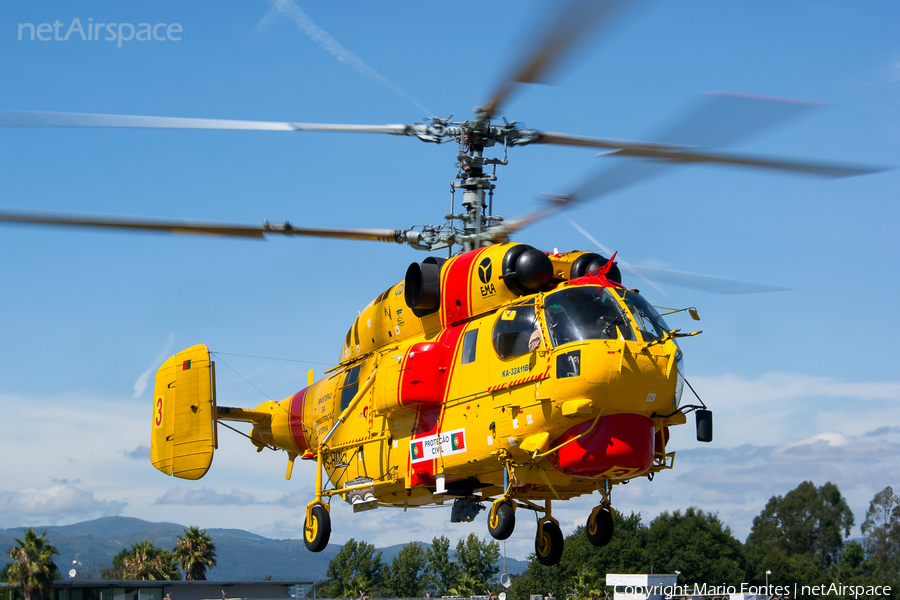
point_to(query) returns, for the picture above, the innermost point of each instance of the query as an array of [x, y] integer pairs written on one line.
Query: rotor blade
[[554, 205], [36, 118], [567, 28], [682, 154], [720, 118], [198, 227], [706, 283]]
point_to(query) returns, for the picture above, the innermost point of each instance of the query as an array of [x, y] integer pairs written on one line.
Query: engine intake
[[526, 270]]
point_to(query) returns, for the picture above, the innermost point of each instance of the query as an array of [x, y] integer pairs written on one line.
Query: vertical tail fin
[[184, 414]]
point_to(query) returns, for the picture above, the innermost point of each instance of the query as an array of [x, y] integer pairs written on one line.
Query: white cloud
[[778, 406], [63, 501], [206, 496], [783, 386], [139, 453]]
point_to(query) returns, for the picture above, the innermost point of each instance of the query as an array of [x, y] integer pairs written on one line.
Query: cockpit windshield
[[585, 313], [651, 325]]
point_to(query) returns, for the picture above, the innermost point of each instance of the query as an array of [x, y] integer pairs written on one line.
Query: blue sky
[[804, 383]]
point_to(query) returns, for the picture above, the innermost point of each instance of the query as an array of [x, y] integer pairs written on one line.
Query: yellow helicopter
[[500, 378]]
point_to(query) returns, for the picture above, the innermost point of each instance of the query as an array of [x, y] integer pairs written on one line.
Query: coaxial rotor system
[[692, 141]]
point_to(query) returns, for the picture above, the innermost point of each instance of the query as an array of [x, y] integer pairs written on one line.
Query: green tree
[[32, 569], [854, 569], [478, 559], [807, 521], [355, 569], [143, 561], [195, 552], [698, 545], [443, 572], [407, 576], [881, 532]]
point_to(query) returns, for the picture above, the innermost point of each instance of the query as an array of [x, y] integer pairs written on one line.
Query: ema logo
[[484, 270], [484, 274]]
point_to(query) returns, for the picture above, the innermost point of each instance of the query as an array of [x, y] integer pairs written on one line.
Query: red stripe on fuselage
[[297, 420], [430, 419], [456, 288]]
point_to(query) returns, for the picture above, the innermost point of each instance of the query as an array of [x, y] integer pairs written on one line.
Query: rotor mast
[[479, 227]]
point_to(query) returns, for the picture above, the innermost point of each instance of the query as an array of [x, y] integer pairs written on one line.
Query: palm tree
[[144, 560], [467, 586], [195, 552], [356, 587], [32, 570], [587, 584]]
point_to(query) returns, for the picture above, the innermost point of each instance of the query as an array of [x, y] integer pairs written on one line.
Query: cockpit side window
[[514, 330], [585, 313], [651, 325]]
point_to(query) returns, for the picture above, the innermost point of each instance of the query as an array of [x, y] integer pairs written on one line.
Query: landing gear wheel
[[600, 527], [548, 545], [317, 533], [502, 521]]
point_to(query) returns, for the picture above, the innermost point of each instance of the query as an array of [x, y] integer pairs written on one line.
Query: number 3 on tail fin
[[158, 411]]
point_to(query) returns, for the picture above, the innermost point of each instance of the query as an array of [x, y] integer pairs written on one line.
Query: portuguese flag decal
[[186, 365], [416, 449]]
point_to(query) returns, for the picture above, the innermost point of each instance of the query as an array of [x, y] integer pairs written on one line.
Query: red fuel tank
[[618, 446]]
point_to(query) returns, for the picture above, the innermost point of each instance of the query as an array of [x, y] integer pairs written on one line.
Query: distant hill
[[240, 555]]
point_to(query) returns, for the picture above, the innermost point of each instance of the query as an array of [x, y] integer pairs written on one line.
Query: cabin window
[[568, 364], [468, 349], [515, 327], [586, 313], [351, 386]]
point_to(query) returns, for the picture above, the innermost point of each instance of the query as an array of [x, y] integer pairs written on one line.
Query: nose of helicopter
[[630, 382]]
